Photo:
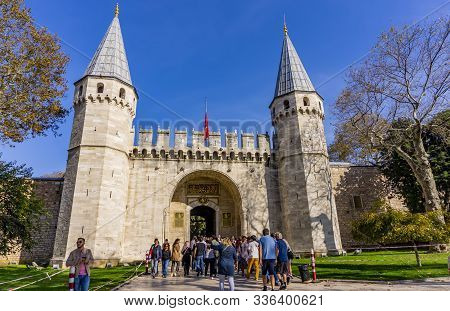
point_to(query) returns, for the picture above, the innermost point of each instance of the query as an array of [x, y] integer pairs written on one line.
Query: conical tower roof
[[292, 75], [110, 59]]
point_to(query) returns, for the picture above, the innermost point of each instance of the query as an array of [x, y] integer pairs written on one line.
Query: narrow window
[[122, 93], [286, 105], [305, 101], [80, 90], [100, 88], [357, 202]]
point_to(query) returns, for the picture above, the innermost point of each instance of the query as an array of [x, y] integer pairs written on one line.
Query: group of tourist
[[223, 257]]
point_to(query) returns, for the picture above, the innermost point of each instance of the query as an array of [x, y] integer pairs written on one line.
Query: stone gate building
[[120, 196]]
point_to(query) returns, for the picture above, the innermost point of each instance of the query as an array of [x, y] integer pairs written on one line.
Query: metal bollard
[[313, 265], [72, 279], [146, 262]]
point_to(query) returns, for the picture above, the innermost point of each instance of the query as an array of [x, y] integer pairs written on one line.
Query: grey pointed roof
[[292, 75], [110, 59]]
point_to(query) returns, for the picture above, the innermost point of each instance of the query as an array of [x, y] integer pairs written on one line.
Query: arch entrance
[[204, 202]]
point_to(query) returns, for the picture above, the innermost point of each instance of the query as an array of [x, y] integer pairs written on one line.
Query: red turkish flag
[[206, 128]]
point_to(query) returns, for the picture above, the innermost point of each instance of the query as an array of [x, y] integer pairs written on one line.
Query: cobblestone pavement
[[192, 283]]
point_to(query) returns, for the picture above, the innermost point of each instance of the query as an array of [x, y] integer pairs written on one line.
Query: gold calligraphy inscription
[[203, 189]]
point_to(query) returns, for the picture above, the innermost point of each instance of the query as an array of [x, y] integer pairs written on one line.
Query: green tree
[[20, 210], [399, 174], [348, 146], [405, 77], [390, 226], [32, 76]]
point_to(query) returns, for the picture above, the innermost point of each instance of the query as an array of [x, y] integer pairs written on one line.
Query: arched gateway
[[205, 202]]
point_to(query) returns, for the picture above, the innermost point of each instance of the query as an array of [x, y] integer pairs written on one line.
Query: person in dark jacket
[[227, 261], [166, 254], [155, 256], [186, 260]]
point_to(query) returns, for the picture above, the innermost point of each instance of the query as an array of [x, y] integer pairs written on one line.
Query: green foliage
[[435, 136], [198, 225], [20, 210], [349, 146], [32, 76], [390, 226]]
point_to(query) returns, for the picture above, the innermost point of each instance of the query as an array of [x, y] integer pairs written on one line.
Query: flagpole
[[206, 126]]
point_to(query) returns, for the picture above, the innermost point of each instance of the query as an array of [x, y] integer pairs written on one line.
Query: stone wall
[[49, 190], [348, 181], [365, 182]]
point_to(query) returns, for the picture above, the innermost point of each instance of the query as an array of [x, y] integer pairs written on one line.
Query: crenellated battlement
[[248, 149]]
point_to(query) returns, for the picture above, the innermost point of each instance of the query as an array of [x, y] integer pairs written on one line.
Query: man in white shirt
[[253, 257]]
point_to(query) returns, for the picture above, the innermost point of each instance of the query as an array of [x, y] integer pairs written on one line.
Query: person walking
[[275, 275], [186, 260], [176, 258], [193, 245], [282, 260], [166, 241], [155, 256], [253, 257], [290, 258], [227, 260], [81, 258], [268, 252], [210, 261], [166, 255], [199, 255], [243, 255]]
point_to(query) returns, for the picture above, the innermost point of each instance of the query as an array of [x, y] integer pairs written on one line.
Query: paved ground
[[193, 283]]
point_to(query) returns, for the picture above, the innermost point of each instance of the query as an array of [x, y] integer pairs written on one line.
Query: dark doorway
[[203, 221]]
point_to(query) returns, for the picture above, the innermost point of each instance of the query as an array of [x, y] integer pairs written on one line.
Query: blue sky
[[180, 52]]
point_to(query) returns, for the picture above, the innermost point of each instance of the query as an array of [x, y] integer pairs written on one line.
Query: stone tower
[[309, 215], [94, 198]]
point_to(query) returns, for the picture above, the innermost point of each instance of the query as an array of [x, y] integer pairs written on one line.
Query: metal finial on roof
[[116, 12], [284, 25]]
